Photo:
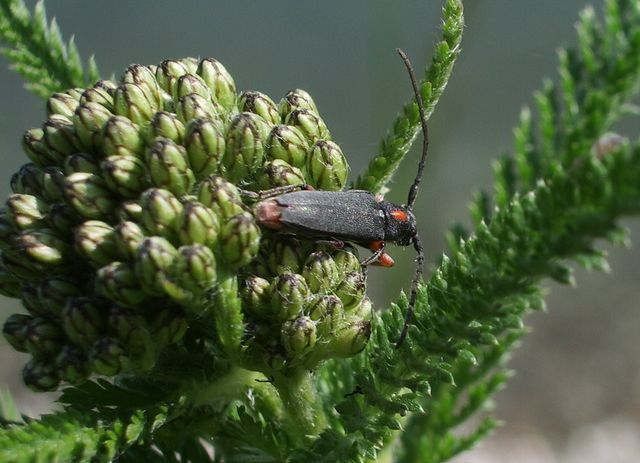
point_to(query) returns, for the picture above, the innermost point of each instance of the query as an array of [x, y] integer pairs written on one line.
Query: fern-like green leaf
[[407, 126], [37, 51]]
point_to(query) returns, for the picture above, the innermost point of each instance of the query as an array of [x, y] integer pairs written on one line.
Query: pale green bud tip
[[198, 224], [124, 175], [220, 196], [239, 240], [83, 321], [297, 99], [64, 104], [327, 166], [299, 335], [260, 104], [255, 294], [168, 167], [279, 173], [88, 195], [154, 257], [121, 137], [351, 339], [244, 150], [166, 125], [95, 240], [118, 282], [219, 81], [320, 272], [205, 146], [160, 212], [289, 144], [289, 294], [309, 123]]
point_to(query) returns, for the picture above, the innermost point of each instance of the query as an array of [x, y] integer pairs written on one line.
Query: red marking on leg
[[375, 245], [385, 260], [268, 214]]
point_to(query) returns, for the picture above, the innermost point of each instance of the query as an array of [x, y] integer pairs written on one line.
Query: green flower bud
[[351, 289], [60, 138], [165, 125], [7, 229], [118, 282], [43, 247], [347, 261], [299, 336], [108, 357], [36, 150], [121, 137], [351, 338], [255, 294], [205, 146], [190, 84], [63, 218], [44, 338], [129, 210], [169, 326], [83, 321], [282, 255], [125, 175], [54, 292], [289, 295], [160, 212], [88, 121], [327, 166], [328, 313], [143, 77], [289, 144], [321, 272], [72, 365], [239, 240], [296, 99], [194, 106], [81, 162], [195, 268], [169, 71], [16, 264], [95, 240], [27, 181], [64, 104], [168, 166], [363, 310], [101, 93], [32, 302], [221, 196], [279, 173], [40, 375], [125, 324], [52, 181], [9, 286], [244, 148], [309, 123], [128, 236], [198, 225], [136, 102], [260, 104], [219, 81], [25, 212], [88, 195], [154, 258], [15, 331]]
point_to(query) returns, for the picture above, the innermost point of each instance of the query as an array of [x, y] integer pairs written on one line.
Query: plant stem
[[304, 417]]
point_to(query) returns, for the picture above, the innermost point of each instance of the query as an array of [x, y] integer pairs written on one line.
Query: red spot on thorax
[[399, 215]]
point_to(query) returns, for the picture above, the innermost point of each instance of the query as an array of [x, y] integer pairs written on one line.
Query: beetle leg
[[277, 191], [379, 257], [337, 244]]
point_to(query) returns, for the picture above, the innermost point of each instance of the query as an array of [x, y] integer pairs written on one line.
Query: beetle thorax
[[400, 224]]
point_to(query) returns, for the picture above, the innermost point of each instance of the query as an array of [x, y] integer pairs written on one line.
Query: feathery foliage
[[37, 51], [406, 127], [552, 199]]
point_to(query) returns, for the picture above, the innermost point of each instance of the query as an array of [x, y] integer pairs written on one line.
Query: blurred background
[[576, 392]]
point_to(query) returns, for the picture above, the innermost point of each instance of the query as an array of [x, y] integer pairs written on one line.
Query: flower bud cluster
[[131, 206]]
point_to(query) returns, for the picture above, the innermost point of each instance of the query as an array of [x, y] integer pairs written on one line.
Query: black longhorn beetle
[[356, 216]]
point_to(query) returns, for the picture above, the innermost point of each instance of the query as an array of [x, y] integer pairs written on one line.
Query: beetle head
[[401, 224]]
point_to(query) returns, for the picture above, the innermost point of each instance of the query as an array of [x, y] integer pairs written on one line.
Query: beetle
[[355, 216]]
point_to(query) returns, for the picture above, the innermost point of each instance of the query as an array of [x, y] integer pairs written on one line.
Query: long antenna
[[413, 191]]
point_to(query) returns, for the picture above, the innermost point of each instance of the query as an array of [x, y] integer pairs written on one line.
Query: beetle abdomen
[[347, 215]]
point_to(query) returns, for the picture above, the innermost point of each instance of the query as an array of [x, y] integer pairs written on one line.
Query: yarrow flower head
[[131, 211]]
